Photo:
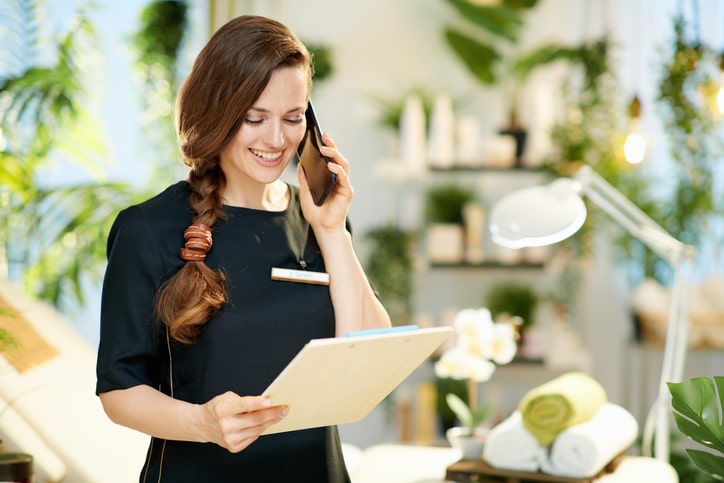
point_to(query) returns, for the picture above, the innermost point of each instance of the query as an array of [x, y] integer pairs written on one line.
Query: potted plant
[[470, 436], [390, 269], [480, 345], [510, 299], [444, 216], [490, 52]]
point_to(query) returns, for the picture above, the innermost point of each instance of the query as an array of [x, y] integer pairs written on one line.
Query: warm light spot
[[634, 148], [70, 240]]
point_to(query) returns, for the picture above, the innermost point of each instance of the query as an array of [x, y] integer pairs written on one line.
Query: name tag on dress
[[301, 276]]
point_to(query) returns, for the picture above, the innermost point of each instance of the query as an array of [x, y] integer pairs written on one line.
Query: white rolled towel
[[583, 450], [509, 446]]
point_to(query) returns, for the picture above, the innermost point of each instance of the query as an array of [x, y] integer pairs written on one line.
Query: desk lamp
[[543, 215]]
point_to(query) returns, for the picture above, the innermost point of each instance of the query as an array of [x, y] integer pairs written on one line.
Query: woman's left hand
[[332, 214]]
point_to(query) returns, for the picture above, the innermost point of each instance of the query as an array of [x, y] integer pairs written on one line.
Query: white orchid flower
[[504, 343], [457, 363], [481, 344]]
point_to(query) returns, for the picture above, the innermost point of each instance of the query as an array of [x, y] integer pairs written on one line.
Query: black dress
[[241, 349]]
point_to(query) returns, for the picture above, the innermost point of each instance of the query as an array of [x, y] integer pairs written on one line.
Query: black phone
[[320, 179]]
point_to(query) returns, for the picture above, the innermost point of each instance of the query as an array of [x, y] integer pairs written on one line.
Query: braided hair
[[228, 76]]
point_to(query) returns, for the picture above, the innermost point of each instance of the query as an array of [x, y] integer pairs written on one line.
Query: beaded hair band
[[198, 242]]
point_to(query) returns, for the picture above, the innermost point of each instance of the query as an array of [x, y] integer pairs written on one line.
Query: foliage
[[391, 108], [157, 44], [470, 418], [512, 299], [161, 31], [321, 60], [694, 143], [591, 134], [53, 238], [697, 412], [444, 203], [445, 386], [488, 49], [389, 267], [480, 346]]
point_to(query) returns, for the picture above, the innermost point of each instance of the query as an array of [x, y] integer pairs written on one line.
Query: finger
[[252, 426], [230, 403], [330, 150]]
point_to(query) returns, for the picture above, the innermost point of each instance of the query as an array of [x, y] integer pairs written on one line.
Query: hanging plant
[[695, 143], [157, 44], [590, 134]]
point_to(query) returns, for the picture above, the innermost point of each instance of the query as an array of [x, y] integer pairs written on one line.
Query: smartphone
[[320, 179]]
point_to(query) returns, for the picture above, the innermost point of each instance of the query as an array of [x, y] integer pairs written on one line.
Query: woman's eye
[[253, 122], [296, 120]]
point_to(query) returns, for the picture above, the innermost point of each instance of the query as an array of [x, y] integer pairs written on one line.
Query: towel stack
[[565, 427]]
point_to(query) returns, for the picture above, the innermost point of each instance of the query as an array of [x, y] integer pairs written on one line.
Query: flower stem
[[472, 394]]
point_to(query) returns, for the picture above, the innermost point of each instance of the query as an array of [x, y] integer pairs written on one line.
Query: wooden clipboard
[[340, 380]]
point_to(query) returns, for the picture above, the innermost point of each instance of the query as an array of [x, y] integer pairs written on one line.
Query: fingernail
[[285, 411]]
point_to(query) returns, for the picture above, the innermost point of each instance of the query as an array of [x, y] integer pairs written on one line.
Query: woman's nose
[[274, 135]]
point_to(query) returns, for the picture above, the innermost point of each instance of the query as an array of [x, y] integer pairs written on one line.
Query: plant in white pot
[[444, 217], [480, 346]]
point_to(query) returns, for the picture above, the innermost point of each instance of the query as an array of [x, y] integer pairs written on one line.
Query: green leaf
[[697, 416], [518, 4], [461, 410], [479, 58], [545, 54], [707, 462], [499, 21], [468, 418]]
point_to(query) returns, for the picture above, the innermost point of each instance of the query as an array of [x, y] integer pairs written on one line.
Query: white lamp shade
[[538, 216]]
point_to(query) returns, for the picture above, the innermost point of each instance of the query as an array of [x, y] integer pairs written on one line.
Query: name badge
[[301, 276]]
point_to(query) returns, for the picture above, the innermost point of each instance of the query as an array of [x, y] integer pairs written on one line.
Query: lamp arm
[[638, 223], [681, 257]]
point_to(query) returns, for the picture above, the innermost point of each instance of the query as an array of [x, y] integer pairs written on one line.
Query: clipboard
[[340, 380]]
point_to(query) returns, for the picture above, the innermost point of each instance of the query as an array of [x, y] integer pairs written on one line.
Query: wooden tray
[[479, 471]]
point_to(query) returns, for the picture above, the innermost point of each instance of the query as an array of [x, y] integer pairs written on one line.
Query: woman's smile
[[268, 158]]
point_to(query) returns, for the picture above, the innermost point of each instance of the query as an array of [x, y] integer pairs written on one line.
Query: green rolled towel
[[560, 403]]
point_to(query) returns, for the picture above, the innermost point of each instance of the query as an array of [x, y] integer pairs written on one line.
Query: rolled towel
[[509, 446], [583, 450], [558, 404]]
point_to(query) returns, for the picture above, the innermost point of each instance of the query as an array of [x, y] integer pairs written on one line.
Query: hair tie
[[198, 242]]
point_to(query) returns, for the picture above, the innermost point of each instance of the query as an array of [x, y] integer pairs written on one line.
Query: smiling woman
[[211, 297]]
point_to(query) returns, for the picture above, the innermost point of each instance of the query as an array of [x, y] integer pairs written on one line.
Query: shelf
[[490, 265], [486, 169], [398, 170]]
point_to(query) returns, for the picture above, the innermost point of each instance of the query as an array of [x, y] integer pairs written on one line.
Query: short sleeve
[[128, 353]]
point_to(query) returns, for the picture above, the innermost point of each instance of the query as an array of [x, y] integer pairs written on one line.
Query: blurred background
[[429, 100]]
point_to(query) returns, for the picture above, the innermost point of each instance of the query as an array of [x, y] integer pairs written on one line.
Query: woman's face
[[270, 132]]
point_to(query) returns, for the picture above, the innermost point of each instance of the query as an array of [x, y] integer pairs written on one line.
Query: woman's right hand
[[234, 422], [229, 420]]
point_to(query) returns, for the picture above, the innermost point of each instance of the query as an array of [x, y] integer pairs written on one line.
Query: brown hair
[[228, 76]]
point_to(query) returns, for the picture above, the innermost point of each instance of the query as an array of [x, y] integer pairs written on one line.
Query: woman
[[193, 327]]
